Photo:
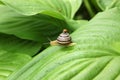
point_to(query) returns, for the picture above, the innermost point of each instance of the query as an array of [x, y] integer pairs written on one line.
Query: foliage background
[[25, 25]]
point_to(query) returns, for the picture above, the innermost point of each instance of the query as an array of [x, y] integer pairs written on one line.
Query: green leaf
[[1, 3], [10, 63], [12, 44], [55, 8], [92, 58], [107, 4], [75, 24], [36, 27]]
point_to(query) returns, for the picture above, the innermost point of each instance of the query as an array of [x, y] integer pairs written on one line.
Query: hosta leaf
[[55, 8], [1, 3], [75, 24], [13, 45], [105, 4], [36, 27], [10, 63], [94, 57]]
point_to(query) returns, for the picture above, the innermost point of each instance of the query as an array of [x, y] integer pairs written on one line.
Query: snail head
[[65, 30]]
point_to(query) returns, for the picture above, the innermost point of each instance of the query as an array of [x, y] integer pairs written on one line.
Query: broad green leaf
[[12, 44], [1, 3], [36, 27], [106, 4], [10, 63], [94, 57], [57, 8], [75, 24]]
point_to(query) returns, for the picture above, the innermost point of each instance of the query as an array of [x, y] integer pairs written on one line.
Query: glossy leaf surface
[[57, 8], [95, 55]]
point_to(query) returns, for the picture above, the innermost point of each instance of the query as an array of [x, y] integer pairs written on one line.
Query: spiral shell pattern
[[64, 38]]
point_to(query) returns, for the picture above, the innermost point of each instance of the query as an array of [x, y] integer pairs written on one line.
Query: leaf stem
[[89, 8]]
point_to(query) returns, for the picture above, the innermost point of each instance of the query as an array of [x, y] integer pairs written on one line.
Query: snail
[[63, 39]]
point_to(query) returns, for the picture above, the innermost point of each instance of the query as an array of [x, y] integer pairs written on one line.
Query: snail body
[[63, 39]]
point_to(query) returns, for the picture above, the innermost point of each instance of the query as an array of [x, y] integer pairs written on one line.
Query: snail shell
[[64, 38]]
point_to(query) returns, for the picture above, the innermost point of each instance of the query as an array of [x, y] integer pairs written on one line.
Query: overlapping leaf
[[94, 57], [10, 62], [14, 53], [37, 27], [12, 44], [106, 4], [55, 8], [1, 3], [75, 24]]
